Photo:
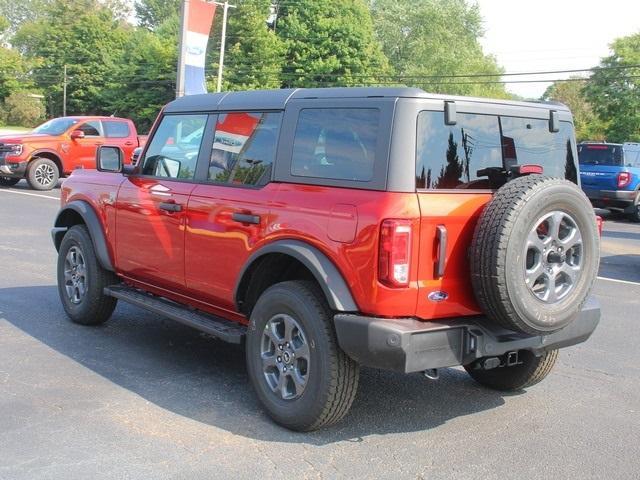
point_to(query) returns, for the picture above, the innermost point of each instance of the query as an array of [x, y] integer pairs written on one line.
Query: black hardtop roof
[[277, 99]]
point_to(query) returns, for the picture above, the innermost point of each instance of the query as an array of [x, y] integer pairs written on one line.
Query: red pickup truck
[[59, 146]]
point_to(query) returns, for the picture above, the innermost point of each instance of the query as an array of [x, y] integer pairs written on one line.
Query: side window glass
[[115, 129], [91, 129], [244, 148], [174, 148], [457, 156], [336, 143]]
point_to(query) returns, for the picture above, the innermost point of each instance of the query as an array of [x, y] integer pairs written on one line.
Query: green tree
[[146, 75], [587, 124], [18, 12], [255, 54], [614, 90], [153, 13], [82, 34], [13, 73], [428, 39], [329, 43], [23, 109]]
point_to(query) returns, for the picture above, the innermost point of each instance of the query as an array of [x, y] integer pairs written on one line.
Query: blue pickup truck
[[610, 176]]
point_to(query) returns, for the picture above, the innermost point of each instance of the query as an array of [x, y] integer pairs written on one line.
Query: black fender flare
[[325, 272], [37, 153], [91, 220]]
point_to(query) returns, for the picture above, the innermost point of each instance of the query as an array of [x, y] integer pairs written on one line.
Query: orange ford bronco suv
[[326, 229]]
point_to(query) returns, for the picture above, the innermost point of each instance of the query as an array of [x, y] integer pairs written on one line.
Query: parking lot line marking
[[619, 281], [30, 194]]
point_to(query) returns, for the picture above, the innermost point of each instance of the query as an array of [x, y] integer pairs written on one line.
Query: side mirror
[[77, 134], [109, 159]]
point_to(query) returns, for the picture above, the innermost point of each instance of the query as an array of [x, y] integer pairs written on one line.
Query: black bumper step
[[226, 330]]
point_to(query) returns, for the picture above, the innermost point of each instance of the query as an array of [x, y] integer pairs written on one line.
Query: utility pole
[[226, 8], [64, 92]]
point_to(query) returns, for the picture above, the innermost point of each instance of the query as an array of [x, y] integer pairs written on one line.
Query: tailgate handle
[[442, 250]]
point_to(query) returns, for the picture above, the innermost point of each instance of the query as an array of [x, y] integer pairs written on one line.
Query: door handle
[[128, 144], [441, 234], [246, 218], [170, 207]]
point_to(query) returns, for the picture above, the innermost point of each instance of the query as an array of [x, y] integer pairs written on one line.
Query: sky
[[544, 35]]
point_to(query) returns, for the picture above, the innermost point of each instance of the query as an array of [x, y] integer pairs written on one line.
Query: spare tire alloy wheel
[[535, 254], [553, 257]]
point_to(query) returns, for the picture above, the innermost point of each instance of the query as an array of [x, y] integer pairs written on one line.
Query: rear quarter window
[[336, 143]]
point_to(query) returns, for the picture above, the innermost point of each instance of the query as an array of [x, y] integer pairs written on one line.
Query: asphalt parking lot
[[146, 398]]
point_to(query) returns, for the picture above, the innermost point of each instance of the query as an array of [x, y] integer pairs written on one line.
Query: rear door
[[228, 213], [455, 165], [121, 133], [600, 165]]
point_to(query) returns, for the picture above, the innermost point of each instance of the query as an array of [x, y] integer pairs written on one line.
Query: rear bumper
[[611, 198], [408, 345]]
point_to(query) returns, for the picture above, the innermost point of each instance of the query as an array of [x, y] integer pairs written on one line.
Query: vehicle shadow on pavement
[[196, 376]]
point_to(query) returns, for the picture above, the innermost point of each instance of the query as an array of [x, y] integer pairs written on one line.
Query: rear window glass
[[600, 154], [468, 154], [338, 143], [115, 129]]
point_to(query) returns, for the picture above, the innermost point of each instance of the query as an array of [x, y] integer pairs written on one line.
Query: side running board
[[226, 330]]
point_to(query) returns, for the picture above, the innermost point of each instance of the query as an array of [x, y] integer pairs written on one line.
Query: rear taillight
[[395, 252], [599, 224], [624, 179]]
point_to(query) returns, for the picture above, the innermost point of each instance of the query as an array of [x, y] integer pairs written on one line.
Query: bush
[[22, 109]]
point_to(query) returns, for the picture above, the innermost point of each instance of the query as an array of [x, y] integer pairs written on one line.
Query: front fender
[[67, 217]]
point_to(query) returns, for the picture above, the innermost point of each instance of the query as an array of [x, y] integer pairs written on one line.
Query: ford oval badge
[[438, 296]]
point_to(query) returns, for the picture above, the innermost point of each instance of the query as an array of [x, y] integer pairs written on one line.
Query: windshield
[[600, 154], [57, 126]]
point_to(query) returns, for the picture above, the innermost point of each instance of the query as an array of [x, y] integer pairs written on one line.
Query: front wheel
[[527, 372], [42, 174], [301, 376], [8, 181], [81, 279]]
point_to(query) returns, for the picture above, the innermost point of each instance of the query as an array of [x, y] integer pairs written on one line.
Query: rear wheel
[[529, 371], [301, 376], [9, 181], [81, 279], [42, 174], [634, 215]]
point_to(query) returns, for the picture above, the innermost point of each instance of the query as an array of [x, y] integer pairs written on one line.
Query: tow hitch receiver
[[431, 374]]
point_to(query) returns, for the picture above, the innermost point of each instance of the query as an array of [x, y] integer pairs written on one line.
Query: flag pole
[[181, 49]]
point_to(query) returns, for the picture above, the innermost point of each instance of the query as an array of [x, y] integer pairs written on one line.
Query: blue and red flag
[[199, 19]]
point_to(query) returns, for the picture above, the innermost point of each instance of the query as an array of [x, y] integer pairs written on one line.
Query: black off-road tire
[[498, 254], [517, 377], [9, 181], [42, 174], [332, 375], [95, 307]]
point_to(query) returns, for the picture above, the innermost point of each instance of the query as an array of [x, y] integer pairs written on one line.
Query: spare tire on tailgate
[[535, 254]]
